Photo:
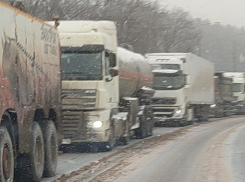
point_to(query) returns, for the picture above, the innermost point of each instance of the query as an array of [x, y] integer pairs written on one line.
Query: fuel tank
[[134, 73]]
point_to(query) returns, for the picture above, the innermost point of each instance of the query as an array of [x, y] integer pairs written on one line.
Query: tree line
[[149, 27], [146, 26]]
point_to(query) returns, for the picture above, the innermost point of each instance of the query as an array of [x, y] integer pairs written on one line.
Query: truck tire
[[51, 148], [150, 131], [31, 166], [182, 123], [7, 160], [142, 131], [94, 147], [109, 145], [125, 140]]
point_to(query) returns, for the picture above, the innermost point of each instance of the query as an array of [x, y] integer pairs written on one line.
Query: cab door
[[111, 83]]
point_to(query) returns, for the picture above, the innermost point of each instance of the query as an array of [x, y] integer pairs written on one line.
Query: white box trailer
[[30, 96], [184, 86], [200, 80]]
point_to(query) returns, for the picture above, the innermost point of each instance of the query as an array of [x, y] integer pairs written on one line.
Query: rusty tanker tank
[[30, 96], [134, 74]]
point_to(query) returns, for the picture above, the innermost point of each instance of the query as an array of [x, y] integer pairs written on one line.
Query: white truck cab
[[238, 79], [105, 89], [89, 90], [183, 86]]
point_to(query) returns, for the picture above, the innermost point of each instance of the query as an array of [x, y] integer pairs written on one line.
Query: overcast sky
[[225, 11]]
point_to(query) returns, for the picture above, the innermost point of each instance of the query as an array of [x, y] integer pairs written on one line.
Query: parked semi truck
[[30, 96], [184, 87], [223, 96], [238, 105], [106, 90]]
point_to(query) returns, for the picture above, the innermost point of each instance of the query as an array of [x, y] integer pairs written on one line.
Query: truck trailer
[[238, 104], [106, 90], [223, 96], [30, 96], [184, 87]]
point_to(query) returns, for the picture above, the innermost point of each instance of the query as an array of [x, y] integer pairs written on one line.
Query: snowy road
[[212, 151]]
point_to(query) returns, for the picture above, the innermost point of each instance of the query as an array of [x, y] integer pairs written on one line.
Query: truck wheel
[[109, 145], [37, 153], [31, 166], [206, 118], [191, 122], [182, 123], [125, 140], [142, 133], [150, 132], [7, 156], [228, 114], [51, 148], [94, 147]]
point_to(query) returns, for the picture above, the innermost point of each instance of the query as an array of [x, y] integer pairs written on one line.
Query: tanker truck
[[30, 96], [184, 87], [223, 96], [238, 104], [106, 90]]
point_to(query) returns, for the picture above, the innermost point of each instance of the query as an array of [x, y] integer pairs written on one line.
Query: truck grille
[[165, 100], [72, 123], [78, 99], [163, 112]]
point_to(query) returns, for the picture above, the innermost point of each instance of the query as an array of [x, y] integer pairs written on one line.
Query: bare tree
[[144, 25]]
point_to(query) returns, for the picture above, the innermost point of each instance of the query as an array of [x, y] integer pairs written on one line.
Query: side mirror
[[113, 60], [113, 72]]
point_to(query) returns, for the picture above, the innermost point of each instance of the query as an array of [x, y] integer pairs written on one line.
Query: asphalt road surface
[[212, 151], [70, 162]]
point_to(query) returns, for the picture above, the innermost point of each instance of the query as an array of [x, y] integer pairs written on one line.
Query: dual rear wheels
[[146, 128], [42, 159], [7, 156], [44, 154]]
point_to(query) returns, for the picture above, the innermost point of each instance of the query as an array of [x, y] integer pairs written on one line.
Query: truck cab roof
[[79, 33]]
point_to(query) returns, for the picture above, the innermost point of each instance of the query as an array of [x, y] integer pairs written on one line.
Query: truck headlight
[[178, 111], [213, 105], [97, 124]]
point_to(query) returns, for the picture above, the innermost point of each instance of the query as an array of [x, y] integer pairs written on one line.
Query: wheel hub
[[38, 153], [6, 162]]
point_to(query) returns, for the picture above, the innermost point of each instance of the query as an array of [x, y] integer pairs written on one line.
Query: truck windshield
[[165, 66], [82, 66], [237, 87], [168, 82]]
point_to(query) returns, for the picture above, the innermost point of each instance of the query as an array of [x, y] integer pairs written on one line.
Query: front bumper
[[89, 136], [166, 121], [78, 127]]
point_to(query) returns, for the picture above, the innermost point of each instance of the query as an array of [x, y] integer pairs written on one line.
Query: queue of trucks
[[72, 84]]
